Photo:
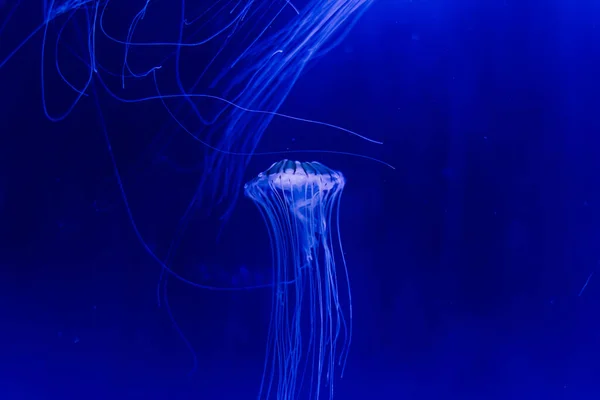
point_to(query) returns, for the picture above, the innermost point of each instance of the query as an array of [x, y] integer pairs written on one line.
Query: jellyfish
[[310, 329]]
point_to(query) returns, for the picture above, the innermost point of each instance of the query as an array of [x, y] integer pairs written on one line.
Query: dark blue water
[[468, 262]]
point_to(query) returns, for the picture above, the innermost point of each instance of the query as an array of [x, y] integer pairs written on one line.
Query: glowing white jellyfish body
[[310, 329]]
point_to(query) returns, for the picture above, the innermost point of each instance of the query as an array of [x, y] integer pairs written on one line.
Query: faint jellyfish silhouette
[[311, 322]]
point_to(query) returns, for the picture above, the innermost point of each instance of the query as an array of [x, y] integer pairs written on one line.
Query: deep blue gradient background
[[466, 261]]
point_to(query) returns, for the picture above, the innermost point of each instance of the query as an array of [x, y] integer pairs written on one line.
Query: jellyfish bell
[[310, 329], [307, 190]]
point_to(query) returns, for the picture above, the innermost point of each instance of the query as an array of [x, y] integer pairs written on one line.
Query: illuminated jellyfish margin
[[299, 203]]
